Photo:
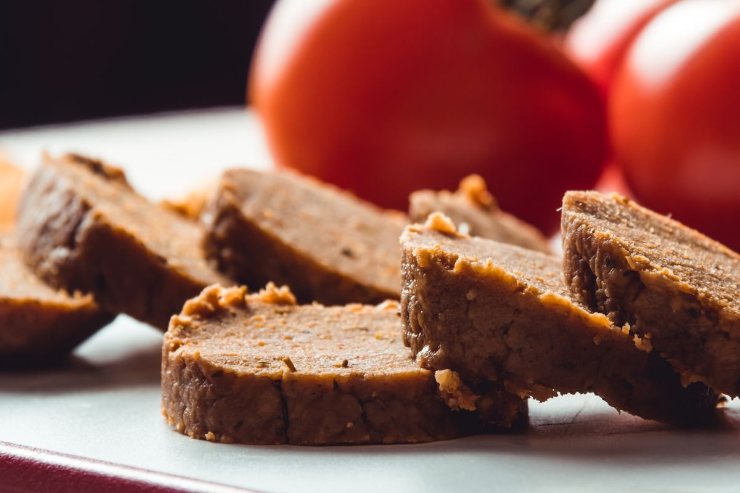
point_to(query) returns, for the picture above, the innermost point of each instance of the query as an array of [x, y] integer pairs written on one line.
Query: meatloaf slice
[[82, 227], [39, 325], [261, 369], [475, 211], [672, 286], [327, 245], [498, 312]]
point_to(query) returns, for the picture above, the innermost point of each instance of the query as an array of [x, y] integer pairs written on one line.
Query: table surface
[[101, 411]]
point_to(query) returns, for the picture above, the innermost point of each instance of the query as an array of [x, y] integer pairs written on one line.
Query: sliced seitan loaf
[[82, 227], [39, 325], [261, 369], [498, 312], [326, 244], [475, 211], [672, 286]]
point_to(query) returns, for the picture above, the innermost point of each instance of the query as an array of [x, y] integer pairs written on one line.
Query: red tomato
[[384, 97], [675, 116], [600, 39]]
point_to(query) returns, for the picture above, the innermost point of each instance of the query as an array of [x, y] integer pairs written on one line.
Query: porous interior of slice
[[670, 284], [174, 239], [334, 228], [473, 209], [500, 312], [318, 340], [657, 243]]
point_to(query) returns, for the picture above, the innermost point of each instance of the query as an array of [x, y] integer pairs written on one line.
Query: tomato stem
[[548, 15]]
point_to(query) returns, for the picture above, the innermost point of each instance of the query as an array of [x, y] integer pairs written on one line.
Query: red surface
[[25, 469]]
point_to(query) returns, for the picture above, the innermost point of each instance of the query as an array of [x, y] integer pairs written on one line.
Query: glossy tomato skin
[[385, 97], [675, 116], [599, 40]]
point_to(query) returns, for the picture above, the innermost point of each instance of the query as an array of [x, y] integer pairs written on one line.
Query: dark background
[[80, 59]]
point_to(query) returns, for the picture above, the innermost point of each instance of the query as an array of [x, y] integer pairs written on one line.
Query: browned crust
[[205, 402], [697, 331], [97, 167], [71, 244], [39, 326], [470, 316], [36, 333]]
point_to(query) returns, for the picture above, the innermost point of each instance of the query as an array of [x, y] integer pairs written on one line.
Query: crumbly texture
[[496, 312], [38, 325], [82, 227], [192, 204], [262, 370], [326, 244], [669, 283], [476, 212], [11, 181]]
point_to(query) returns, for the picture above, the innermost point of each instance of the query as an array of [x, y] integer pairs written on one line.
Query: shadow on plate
[[588, 436], [137, 368]]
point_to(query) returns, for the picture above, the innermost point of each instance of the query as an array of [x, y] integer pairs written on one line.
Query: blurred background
[[82, 59], [636, 96]]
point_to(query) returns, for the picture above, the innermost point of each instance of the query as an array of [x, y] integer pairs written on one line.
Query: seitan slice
[[475, 211], [326, 244], [39, 325], [498, 312], [83, 228], [673, 286], [261, 369]]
